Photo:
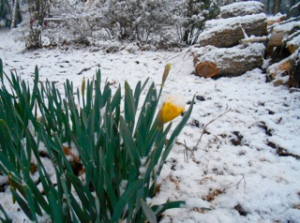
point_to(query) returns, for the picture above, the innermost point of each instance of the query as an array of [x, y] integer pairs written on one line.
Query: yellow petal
[[170, 111]]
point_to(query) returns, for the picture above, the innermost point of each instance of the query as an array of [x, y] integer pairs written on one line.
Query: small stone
[[200, 98]]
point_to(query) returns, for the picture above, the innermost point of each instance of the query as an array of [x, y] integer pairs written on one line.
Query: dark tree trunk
[[293, 2], [5, 10], [268, 6], [19, 16], [276, 6], [187, 30]]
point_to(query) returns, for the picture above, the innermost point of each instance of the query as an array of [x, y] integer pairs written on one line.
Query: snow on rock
[[228, 32], [217, 24], [293, 43], [286, 27], [214, 54], [285, 32], [278, 18], [241, 9], [285, 71], [230, 61]]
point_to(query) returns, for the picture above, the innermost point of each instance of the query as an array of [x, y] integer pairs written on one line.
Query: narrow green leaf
[[56, 209], [129, 107], [106, 95], [159, 209], [138, 90], [98, 213], [116, 99], [38, 197], [46, 182], [15, 184], [145, 83], [32, 205], [110, 190], [5, 135], [1, 70], [6, 218], [129, 143], [155, 155], [70, 201], [148, 109], [137, 93], [125, 198], [89, 97], [77, 184], [36, 76], [148, 212], [23, 204], [6, 165], [79, 213]]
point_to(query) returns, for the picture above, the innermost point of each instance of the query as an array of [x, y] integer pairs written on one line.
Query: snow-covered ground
[[235, 170]]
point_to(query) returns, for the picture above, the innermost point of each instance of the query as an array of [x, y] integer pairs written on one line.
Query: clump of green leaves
[[121, 153]]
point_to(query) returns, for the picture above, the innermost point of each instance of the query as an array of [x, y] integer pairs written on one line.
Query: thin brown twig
[[186, 156], [238, 184], [179, 54], [207, 124]]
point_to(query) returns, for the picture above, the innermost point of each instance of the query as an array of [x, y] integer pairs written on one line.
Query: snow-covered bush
[[32, 27], [155, 21], [146, 20], [138, 20], [191, 16]]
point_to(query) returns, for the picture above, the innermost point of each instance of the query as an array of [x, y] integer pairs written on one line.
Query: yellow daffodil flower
[[172, 107]]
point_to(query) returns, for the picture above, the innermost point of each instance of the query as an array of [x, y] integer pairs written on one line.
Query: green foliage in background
[[122, 149]]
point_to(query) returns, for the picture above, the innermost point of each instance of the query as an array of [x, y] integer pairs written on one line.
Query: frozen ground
[[246, 167]]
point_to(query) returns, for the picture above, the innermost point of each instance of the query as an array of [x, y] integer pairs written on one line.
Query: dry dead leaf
[[175, 181], [213, 194]]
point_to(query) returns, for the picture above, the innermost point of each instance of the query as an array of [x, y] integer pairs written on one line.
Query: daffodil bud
[[173, 106], [83, 86], [166, 73]]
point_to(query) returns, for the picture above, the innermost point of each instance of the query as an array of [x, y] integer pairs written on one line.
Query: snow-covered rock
[[241, 9], [228, 32]]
